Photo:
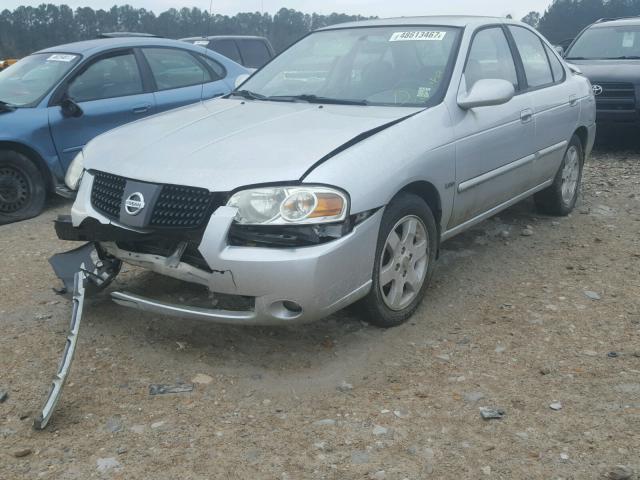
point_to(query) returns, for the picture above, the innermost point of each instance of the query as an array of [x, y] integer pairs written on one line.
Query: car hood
[[227, 143], [609, 70]]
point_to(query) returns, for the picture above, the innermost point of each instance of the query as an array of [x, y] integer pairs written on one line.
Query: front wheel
[[560, 198], [404, 262], [22, 189]]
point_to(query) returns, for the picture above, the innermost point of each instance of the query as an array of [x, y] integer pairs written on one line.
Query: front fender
[[419, 149]]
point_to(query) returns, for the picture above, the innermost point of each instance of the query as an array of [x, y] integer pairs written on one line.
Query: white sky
[[381, 8]]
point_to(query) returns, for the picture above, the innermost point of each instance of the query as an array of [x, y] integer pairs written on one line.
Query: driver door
[[496, 144], [111, 92]]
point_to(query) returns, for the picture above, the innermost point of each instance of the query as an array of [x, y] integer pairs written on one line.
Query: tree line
[[27, 29], [564, 19]]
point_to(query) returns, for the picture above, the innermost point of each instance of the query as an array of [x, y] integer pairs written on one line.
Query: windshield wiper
[[316, 99], [624, 57], [575, 58], [6, 107], [248, 94]]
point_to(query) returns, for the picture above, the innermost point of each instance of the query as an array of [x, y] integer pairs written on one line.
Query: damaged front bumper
[[287, 285]]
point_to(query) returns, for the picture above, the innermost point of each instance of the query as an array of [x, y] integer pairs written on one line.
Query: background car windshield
[[607, 43], [400, 65], [26, 82]]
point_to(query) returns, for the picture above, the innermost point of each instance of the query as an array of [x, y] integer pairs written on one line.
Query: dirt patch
[[522, 317]]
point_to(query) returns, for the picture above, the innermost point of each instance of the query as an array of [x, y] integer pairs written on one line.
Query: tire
[[22, 188], [382, 307], [560, 198]]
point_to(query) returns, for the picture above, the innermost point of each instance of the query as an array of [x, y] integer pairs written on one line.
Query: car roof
[[89, 47], [616, 22], [441, 20], [225, 37]]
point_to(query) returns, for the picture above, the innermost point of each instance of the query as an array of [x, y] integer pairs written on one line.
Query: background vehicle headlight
[[75, 171], [295, 205]]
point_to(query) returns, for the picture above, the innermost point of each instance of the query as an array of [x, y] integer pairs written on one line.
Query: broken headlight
[[75, 171], [290, 205]]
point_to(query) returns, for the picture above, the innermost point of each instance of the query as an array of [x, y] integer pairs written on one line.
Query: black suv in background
[[608, 53], [251, 52]]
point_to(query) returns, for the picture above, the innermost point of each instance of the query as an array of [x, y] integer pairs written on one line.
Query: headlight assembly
[[290, 205], [75, 171]]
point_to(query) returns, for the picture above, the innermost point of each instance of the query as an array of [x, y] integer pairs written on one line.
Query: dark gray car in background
[[608, 53], [248, 51]]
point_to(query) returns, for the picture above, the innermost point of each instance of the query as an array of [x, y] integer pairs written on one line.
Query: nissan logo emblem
[[597, 90], [134, 203]]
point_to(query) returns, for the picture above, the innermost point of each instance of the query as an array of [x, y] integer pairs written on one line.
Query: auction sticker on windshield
[[201, 42], [58, 57], [417, 36]]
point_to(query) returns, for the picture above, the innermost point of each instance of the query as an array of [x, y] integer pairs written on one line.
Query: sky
[[381, 8]]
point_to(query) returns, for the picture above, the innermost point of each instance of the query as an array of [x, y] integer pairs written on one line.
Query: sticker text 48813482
[[417, 36]]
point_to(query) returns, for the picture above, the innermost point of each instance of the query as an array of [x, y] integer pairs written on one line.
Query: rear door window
[[174, 68], [534, 58], [227, 48], [254, 52]]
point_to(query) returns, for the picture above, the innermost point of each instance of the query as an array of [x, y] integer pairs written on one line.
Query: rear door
[[495, 144], [555, 102], [182, 77], [111, 92]]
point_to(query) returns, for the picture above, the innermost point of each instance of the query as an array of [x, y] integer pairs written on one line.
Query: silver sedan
[[333, 174]]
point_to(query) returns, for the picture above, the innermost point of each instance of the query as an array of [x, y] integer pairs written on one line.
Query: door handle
[[141, 109], [573, 100], [526, 115]]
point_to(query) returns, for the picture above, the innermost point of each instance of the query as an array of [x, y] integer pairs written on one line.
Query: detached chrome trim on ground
[[42, 420]]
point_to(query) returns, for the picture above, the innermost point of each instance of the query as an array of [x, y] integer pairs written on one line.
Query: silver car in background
[[333, 174]]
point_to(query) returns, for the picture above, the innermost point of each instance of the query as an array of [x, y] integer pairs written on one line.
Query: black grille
[[107, 192], [177, 206], [184, 207], [616, 96]]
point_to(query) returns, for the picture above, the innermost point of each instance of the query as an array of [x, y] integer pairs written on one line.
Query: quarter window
[[490, 58], [114, 76], [534, 58], [173, 68], [556, 66], [217, 68]]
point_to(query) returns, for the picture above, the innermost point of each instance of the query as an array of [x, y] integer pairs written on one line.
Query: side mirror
[[560, 50], [240, 79], [70, 108], [486, 93]]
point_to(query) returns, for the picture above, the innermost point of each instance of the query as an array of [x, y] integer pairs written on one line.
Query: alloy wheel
[[404, 263]]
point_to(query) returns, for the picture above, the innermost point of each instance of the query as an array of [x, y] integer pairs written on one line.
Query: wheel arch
[[429, 193], [34, 157], [583, 134]]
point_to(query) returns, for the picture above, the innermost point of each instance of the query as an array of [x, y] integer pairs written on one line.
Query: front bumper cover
[[289, 285]]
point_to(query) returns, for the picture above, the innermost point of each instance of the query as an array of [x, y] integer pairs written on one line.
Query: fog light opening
[[286, 310], [293, 307]]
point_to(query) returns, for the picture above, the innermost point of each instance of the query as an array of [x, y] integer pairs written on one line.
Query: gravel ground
[[522, 322]]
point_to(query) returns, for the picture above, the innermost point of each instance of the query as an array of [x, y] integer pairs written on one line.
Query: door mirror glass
[[241, 79], [486, 93], [70, 108]]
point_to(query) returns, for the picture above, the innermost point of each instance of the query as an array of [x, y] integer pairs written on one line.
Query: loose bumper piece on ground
[[55, 392]]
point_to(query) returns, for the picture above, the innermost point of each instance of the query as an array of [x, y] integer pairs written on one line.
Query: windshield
[[398, 66], [605, 43], [25, 83]]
